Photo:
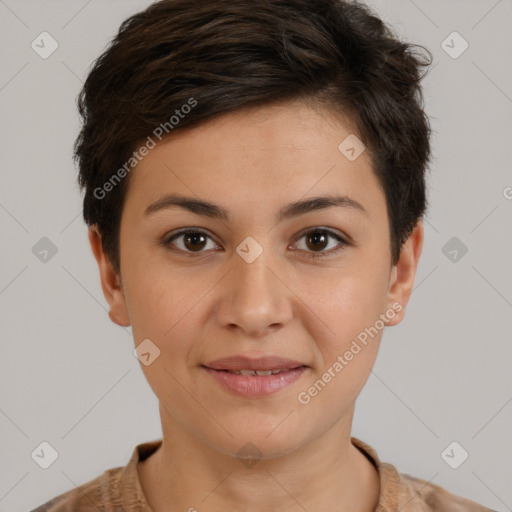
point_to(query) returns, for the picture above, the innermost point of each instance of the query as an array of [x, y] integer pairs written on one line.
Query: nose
[[254, 297]]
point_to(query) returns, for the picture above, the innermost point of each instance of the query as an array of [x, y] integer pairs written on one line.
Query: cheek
[[158, 294], [346, 302], [164, 308], [347, 332], [172, 307]]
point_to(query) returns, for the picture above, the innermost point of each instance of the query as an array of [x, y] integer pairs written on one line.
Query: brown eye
[[317, 240], [192, 240]]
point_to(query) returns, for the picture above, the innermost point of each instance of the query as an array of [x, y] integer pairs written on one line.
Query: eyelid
[[334, 233]]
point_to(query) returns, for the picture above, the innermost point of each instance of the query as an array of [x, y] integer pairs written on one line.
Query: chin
[[262, 441]]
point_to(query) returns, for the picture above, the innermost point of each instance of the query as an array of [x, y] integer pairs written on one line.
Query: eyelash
[[166, 242]]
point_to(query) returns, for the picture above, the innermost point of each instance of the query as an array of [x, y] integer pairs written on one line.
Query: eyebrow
[[207, 209]]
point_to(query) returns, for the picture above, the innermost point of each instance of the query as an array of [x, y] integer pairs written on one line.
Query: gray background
[[68, 375]]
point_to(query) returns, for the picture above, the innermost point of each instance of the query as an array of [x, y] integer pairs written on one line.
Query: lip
[[255, 386], [247, 363]]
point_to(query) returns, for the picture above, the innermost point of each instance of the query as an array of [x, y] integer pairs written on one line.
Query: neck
[[329, 473]]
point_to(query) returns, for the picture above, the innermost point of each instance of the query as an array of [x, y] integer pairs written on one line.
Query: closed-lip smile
[[255, 377]]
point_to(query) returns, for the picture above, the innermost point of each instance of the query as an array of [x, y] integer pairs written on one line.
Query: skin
[[210, 303]]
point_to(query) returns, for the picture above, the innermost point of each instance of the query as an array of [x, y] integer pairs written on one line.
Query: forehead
[[264, 154]]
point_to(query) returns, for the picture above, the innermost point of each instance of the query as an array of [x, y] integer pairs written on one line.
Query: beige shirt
[[119, 490]]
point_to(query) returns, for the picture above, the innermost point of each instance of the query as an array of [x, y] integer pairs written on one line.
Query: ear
[[403, 273], [110, 281]]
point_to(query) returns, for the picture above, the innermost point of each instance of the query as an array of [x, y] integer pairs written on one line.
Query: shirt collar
[[132, 494]]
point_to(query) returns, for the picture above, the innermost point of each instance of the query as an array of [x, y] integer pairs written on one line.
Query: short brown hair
[[227, 55]]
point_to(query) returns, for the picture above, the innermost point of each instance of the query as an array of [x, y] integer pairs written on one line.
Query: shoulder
[[116, 490], [87, 497], [405, 493], [437, 498]]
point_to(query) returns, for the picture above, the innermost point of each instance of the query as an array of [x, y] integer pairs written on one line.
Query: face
[[311, 282]]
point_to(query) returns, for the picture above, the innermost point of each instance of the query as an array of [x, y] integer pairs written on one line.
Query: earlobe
[[403, 274], [110, 281]]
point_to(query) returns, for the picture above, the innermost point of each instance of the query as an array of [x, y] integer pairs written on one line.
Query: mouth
[[252, 365], [261, 373], [254, 378]]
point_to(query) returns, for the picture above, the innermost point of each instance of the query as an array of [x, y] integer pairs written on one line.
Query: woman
[[254, 178]]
